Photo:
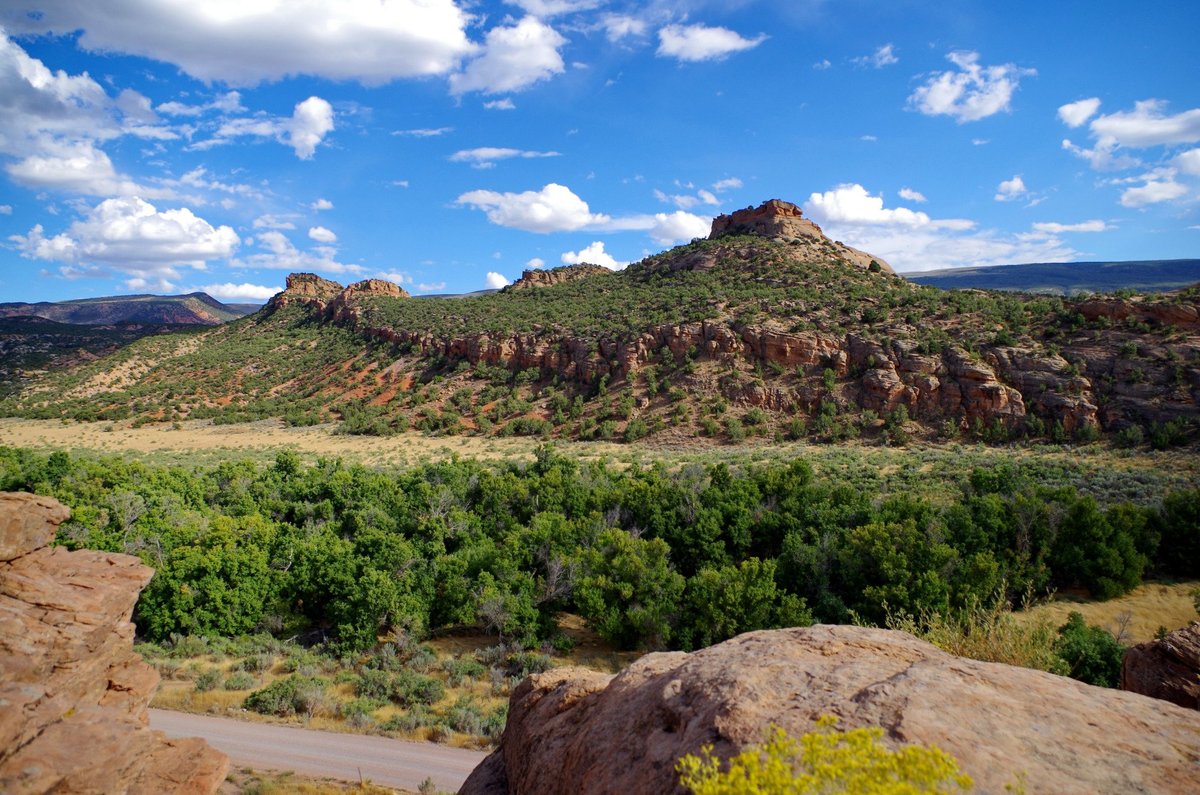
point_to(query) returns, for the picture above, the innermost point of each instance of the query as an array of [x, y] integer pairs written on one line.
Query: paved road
[[265, 746]]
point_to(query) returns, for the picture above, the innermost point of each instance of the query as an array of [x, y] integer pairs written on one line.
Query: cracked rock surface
[[73, 694], [576, 731]]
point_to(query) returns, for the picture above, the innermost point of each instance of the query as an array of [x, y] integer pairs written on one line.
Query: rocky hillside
[[74, 692], [191, 309], [767, 328], [579, 731]]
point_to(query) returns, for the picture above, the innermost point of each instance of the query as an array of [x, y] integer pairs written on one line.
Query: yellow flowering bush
[[853, 762]]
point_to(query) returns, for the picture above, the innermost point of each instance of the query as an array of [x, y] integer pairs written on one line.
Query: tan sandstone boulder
[[575, 731], [73, 694], [1168, 669]]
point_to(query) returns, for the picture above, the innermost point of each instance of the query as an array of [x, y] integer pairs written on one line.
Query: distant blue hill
[[1069, 278]]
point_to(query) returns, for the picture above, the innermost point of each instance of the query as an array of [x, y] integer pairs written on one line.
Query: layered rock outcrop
[[536, 277], [572, 730], [1168, 668], [73, 694], [783, 220]]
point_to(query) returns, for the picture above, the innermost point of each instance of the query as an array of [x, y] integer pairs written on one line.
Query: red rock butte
[[782, 220]]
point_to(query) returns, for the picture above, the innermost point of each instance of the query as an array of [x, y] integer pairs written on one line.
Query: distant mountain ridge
[[191, 309], [1068, 278]]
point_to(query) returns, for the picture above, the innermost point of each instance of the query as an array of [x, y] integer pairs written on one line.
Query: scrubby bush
[[1091, 653], [303, 695]]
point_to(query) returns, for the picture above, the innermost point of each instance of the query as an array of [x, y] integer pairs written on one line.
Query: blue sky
[[167, 146]]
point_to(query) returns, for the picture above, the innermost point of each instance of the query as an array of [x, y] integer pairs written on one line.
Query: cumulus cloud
[[702, 43], [78, 168], [245, 44], [594, 254], [686, 201], [1147, 125], [536, 263], [513, 58], [971, 93], [1189, 162], [678, 227], [304, 130], [555, 208], [430, 287], [1074, 114], [249, 293], [277, 252], [5, 209], [723, 185], [1153, 192], [1050, 227], [912, 241], [908, 194], [500, 104], [486, 156], [1010, 189], [883, 56], [322, 235], [496, 281], [133, 237], [622, 26], [853, 204], [321, 204]]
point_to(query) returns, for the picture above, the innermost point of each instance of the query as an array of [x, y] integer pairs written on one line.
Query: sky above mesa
[[168, 146]]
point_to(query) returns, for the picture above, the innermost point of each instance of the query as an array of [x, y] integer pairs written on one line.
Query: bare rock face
[[1168, 669], [782, 220], [575, 731], [535, 277], [73, 694], [307, 289]]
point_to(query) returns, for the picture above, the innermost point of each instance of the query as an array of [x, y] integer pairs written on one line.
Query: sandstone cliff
[[73, 693], [534, 277], [782, 220], [571, 730], [1168, 668]]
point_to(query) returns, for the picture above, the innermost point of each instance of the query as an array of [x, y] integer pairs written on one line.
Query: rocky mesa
[[571, 730], [73, 694]]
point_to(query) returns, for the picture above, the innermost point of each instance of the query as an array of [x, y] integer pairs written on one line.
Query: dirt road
[[349, 757]]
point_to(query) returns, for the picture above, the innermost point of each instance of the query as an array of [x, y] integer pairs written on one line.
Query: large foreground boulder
[[73, 694], [576, 731], [1168, 668]]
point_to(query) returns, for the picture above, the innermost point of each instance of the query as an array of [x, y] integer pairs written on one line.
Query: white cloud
[[1148, 125], [1153, 192], [500, 104], [486, 156], [424, 132], [1053, 228], [130, 235], [727, 184], [249, 43], [496, 281], [304, 130], [394, 276], [852, 204], [399, 183], [229, 102], [883, 56], [908, 194], [311, 120], [279, 253], [594, 254], [513, 58], [1010, 189], [5, 209], [78, 168], [430, 287], [1102, 156], [972, 93], [702, 43], [536, 263], [1189, 162], [868, 138], [622, 26], [321, 204], [1074, 114], [555, 208], [553, 8], [686, 201], [271, 221], [822, 65], [245, 292], [678, 227], [322, 235]]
